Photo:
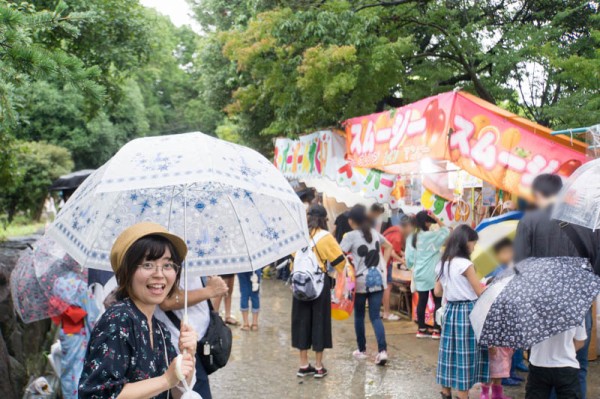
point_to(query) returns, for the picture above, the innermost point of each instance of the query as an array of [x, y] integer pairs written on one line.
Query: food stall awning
[[318, 159], [488, 142]]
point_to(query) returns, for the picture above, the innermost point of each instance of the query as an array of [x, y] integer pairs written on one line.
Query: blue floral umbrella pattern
[[235, 209], [542, 297]]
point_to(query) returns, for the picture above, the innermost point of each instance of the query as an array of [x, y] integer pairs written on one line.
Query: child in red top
[[396, 235]]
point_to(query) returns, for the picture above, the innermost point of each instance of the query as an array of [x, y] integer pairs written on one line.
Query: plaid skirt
[[461, 362]]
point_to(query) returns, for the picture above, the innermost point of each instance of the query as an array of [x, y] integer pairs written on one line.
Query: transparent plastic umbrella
[[35, 292], [579, 200]]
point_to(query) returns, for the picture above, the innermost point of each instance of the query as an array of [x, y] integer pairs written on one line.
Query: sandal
[[254, 327], [245, 327], [231, 321]]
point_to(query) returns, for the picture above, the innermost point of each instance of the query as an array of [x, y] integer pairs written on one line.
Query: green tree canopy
[[304, 65]]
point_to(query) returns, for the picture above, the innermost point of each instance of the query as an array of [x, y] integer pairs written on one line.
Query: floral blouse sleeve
[[108, 358]]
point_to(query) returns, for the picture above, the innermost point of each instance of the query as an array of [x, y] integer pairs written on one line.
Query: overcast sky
[[178, 10]]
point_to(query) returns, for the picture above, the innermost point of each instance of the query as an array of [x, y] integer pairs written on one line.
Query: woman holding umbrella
[[130, 354]]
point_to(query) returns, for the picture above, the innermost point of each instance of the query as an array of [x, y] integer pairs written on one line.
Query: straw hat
[[130, 235]]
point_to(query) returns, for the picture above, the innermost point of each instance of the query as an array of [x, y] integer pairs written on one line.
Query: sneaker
[[381, 358], [358, 355], [322, 372], [436, 335], [423, 334], [308, 370], [392, 317]]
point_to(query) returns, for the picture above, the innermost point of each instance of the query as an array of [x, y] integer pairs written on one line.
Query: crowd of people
[[440, 259], [143, 345]]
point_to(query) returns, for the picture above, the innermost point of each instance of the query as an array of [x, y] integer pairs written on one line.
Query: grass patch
[[20, 230]]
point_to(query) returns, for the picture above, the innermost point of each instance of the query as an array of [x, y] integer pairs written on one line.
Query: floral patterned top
[[119, 352]]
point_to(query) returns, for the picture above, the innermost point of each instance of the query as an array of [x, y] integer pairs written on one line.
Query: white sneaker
[[392, 317], [381, 358], [358, 355]]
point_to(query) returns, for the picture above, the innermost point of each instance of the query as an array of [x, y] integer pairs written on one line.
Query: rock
[[7, 386]]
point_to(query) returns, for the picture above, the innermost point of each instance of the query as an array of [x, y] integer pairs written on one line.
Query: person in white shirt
[[461, 361], [171, 312], [553, 365]]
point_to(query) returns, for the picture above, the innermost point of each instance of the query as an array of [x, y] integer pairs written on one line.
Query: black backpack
[[215, 347]]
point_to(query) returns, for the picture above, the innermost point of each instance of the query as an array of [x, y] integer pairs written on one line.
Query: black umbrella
[[541, 298], [71, 181]]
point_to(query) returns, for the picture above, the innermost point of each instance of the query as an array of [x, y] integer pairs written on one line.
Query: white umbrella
[[234, 209], [579, 200]]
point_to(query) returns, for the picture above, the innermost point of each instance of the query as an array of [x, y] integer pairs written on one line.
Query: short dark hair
[[306, 195], [377, 208], [150, 247], [547, 185], [503, 243]]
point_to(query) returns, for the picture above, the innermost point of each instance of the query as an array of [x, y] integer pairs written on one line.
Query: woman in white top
[[461, 362]]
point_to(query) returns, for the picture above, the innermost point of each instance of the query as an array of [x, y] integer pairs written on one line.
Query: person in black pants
[[554, 366]]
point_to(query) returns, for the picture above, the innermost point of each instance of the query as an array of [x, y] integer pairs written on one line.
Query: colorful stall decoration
[[451, 212], [484, 140], [318, 159]]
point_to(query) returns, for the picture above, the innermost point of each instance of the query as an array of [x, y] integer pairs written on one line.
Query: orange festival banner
[[488, 142]]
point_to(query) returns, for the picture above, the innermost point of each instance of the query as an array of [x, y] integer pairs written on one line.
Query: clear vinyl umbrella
[[35, 281], [579, 200], [234, 209]]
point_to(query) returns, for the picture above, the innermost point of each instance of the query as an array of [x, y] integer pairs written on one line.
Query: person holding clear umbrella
[[130, 353]]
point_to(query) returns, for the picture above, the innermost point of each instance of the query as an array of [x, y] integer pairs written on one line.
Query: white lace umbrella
[[579, 200], [235, 210]]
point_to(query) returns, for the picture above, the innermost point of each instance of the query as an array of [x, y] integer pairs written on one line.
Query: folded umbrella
[[540, 298]]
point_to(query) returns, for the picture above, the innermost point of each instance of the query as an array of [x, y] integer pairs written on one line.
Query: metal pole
[[185, 271], [570, 131]]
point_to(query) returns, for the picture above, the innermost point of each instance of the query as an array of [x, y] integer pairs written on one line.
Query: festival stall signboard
[[320, 157], [486, 141]]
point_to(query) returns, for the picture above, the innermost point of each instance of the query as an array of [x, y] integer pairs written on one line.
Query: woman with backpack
[[311, 319], [364, 244], [423, 252]]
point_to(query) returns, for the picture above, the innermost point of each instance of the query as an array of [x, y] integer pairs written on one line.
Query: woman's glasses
[[169, 267]]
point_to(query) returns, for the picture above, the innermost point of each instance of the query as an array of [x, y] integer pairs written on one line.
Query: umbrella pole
[[185, 271]]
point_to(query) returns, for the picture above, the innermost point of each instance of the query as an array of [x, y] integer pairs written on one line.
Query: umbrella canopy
[[544, 297], [35, 287], [71, 181], [235, 210], [483, 256], [514, 215], [579, 200]]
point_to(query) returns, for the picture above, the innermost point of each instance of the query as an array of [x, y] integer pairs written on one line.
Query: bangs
[[151, 248]]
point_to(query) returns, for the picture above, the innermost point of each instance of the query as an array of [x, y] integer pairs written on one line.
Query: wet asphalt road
[[263, 364]]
